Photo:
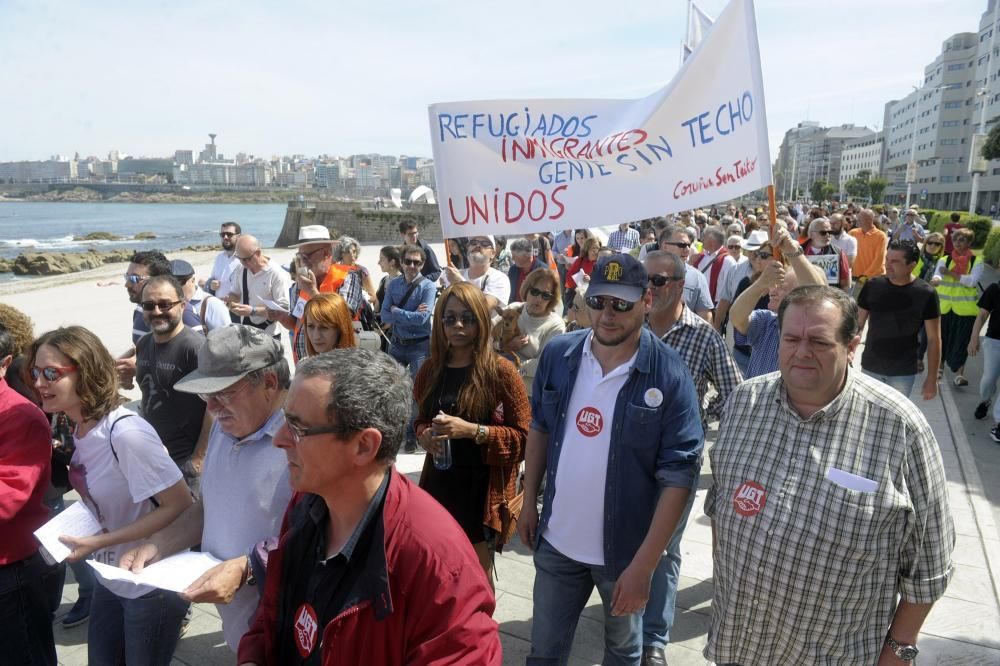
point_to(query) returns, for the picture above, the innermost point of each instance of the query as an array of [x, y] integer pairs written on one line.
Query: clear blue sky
[[278, 78]]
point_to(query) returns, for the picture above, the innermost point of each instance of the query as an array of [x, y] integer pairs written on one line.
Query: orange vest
[[331, 283]]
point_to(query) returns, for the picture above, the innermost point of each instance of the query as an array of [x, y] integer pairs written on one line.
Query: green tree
[[991, 148], [856, 188], [818, 190], [876, 188]]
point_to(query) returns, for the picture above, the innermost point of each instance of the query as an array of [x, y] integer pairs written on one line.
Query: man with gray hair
[[713, 261], [255, 281], [675, 240], [242, 376], [364, 549], [523, 261], [825, 256], [494, 284]]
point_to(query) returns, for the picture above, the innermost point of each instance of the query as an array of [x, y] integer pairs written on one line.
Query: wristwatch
[[902, 651], [480, 434], [796, 253]]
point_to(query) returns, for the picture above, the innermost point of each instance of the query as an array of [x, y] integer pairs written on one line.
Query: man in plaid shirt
[[828, 500], [625, 239]]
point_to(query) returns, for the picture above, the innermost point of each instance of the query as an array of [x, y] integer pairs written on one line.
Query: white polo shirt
[[576, 525]]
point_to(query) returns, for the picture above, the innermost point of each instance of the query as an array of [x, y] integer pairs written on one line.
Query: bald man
[[256, 280]]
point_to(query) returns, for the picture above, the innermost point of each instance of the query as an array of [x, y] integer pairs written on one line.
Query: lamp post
[[983, 94]]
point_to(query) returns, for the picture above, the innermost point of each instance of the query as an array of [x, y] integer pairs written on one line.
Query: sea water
[[51, 227]]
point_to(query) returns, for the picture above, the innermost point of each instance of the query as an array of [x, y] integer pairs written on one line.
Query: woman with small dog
[[471, 398], [538, 322]]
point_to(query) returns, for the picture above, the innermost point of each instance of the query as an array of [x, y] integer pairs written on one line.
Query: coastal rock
[[6, 265], [60, 263], [144, 235], [199, 248], [98, 236]]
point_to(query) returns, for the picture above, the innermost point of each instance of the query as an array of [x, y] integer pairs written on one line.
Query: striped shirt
[[806, 568], [763, 337], [708, 359]]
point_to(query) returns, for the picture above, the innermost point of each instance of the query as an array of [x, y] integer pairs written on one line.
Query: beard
[[163, 324]]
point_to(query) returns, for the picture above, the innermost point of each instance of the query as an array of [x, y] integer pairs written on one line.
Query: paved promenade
[[963, 628]]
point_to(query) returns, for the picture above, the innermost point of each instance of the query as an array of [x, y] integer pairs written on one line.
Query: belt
[[410, 341]]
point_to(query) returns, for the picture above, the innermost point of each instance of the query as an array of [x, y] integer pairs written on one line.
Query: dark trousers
[[956, 331], [26, 612]]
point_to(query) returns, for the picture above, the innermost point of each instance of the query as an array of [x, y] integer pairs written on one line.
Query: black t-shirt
[[990, 301], [895, 316], [176, 417]]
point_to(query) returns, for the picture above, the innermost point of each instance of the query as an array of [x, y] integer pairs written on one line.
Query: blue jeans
[[137, 632], [562, 587], [658, 618], [26, 612], [902, 383], [411, 357]]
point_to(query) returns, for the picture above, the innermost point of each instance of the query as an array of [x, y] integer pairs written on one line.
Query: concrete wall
[[363, 223]]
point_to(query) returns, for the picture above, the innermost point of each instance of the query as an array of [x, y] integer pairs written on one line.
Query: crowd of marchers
[[559, 388]]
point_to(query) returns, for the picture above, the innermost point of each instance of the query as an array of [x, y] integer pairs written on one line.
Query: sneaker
[[961, 381], [995, 433], [186, 622], [77, 615], [981, 410]]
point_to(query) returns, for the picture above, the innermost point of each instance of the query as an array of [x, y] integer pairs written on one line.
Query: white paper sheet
[[578, 278], [271, 305], [851, 481], [174, 573], [76, 521]]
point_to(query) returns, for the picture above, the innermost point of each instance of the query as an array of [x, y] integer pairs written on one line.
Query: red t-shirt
[[948, 230], [25, 460]]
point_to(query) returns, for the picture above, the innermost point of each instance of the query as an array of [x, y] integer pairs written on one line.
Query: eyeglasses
[[413, 262], [149, 306], [660, 280], [467, 319], [299, 433], [135, 279], [538, 293], [226, 234], [617, 304], [244, 260], [479, 243], [52, 373], [735, 247], [824, 232], [227, 396], [683, 246], [308, 255]]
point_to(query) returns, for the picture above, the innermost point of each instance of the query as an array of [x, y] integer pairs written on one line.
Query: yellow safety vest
[[956, 297]]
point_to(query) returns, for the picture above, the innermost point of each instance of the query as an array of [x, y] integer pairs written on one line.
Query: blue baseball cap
[[619, 276]]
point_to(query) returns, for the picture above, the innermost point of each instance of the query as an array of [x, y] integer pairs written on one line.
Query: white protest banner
[[516, 167]]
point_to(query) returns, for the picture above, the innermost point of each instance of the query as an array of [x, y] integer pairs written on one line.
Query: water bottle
[[442, 459]]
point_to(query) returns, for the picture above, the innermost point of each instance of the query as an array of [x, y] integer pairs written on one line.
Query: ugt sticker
[[749, 498], [589, 422], [306, 628]]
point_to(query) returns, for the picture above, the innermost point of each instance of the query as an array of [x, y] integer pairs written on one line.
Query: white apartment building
[[860, 155]]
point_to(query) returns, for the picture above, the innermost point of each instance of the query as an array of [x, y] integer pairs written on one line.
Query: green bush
[[981, 226], [936, 219], [991, 254]]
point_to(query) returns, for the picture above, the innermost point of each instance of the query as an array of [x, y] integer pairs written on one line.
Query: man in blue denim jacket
[[634, 431]]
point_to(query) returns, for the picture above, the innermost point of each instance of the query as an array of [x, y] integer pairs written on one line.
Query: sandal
[[961, 381]]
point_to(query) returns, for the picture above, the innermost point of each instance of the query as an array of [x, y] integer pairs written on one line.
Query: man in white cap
[[317, 273], [242, 376], [727, 287], [493, 283]]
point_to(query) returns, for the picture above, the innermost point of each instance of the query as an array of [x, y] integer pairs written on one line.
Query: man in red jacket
[[369, 568], [25, 578]]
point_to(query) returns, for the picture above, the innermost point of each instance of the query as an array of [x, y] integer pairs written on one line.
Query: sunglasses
[[480, 243], [933, 244], [226, 234], [52, 373], [538, 293], [149, 306], [467, 319], [767, 254], [617, 304], [825, 232], [734, 247], [413, 262], [683, 246], [660, 280], [135, 279]]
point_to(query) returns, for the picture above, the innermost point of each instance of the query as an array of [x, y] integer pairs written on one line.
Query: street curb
[[981, 510]]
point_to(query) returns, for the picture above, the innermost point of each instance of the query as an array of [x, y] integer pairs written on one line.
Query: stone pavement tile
[[965, 521], [694, 594], [690, 630], [968, 584], [936, 651], [203, 644], [72, 656], [968, 551], [513, 614], [696, 559], [964, 621]]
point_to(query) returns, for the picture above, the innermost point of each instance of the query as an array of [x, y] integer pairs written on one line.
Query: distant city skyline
[[315, 78]]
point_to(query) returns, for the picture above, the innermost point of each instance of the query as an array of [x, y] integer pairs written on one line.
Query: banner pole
[[772, 216]]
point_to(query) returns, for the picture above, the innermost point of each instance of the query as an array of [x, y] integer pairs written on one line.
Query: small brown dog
[[505, 331]]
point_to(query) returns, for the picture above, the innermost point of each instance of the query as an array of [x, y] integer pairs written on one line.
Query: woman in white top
[[539, 321], [127, 480]]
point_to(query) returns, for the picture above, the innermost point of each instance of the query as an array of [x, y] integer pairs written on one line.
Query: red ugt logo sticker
[[589, 422], [749, 498], [306, 626]]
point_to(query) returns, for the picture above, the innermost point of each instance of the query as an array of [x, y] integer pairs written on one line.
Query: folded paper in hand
[[174, 573], [76, 521]]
